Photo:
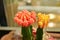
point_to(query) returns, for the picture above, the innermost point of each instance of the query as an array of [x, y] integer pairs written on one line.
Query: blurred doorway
[[3, 22]]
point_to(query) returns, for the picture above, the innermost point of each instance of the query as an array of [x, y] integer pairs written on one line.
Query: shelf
[[40, 8], [53, 29], [10, 28]]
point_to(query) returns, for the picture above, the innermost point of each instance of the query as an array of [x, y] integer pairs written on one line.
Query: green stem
[[39, 34], [26, 32]]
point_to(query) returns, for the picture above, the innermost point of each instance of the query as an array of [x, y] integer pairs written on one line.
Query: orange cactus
[[25, 18]]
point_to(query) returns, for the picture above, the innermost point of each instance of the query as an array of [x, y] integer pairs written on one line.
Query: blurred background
[[8, 9], [50, 7]]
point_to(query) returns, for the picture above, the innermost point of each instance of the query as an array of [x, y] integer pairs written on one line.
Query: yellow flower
[[43, 20]]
